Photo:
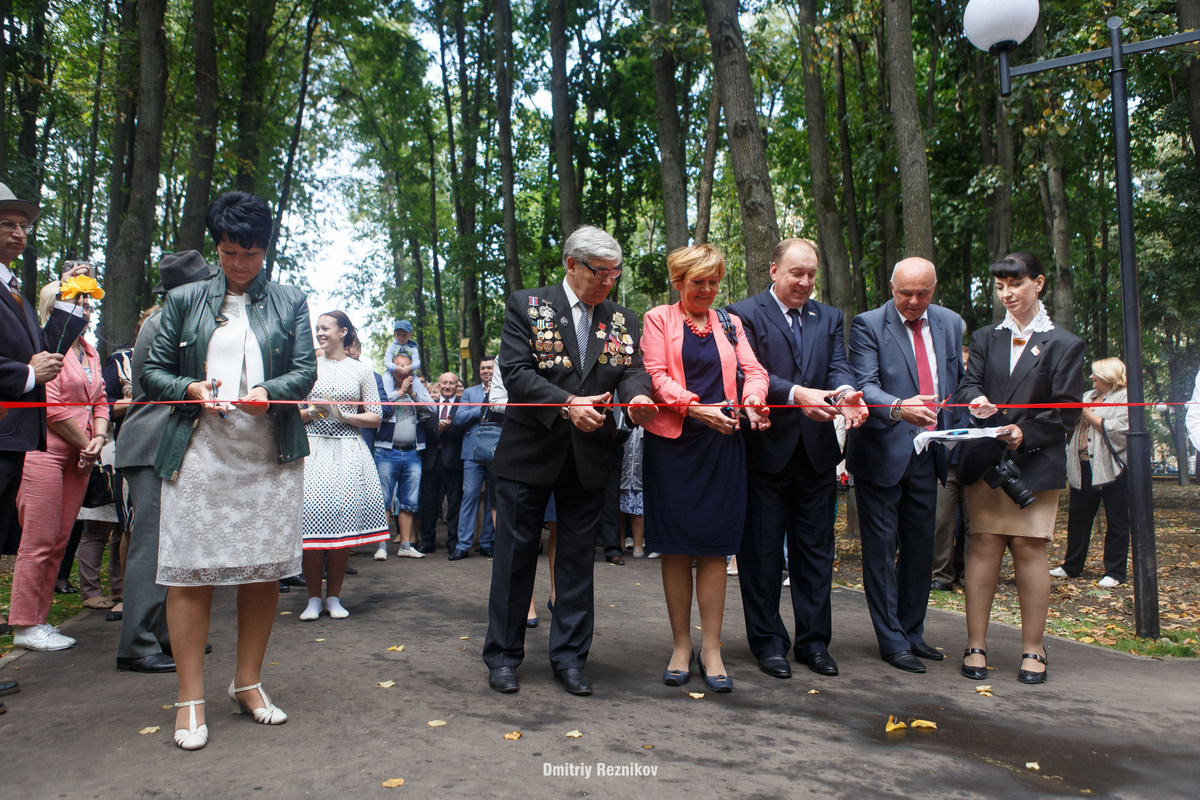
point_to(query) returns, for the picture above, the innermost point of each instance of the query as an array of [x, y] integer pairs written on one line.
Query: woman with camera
[[694, 470], [1023, 361]]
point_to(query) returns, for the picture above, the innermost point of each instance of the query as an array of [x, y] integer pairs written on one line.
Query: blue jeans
[[400, 477], [475, 475]]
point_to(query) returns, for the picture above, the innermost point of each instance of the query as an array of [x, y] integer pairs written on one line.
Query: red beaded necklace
[[699, 333]]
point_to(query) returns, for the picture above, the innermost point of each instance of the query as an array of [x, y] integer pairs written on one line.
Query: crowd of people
[[253, 456]]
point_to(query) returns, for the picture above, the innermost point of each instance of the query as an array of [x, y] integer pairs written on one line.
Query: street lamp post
[[998, 26]]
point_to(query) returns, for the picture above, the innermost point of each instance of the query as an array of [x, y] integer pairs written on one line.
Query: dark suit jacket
[[535, 441], [823, 365], [886, 368], [1050, 370], [446, 447], [24, 429]]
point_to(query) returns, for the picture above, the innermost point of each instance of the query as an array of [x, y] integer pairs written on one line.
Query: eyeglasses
[[602, 274], [8, 227]]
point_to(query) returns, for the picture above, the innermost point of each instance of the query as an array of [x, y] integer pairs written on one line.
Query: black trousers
[[12, 465], [520, 510], [799, 504], [438, 482], [1082, 508], [896, 524]]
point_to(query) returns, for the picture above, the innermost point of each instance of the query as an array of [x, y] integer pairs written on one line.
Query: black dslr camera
[[1007, 476]]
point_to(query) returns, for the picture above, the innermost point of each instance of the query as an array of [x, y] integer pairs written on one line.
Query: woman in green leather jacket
[[231, 458]]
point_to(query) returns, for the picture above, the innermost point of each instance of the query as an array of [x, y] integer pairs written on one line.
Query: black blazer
[[1050, 370], [822, 365], [24, 429], [447, 447], [534, 441]]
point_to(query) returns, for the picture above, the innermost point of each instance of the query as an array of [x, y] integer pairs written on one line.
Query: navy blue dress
[[695, 485]]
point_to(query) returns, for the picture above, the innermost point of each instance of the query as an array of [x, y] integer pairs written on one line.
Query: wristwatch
[[896, 410], [565, 412]]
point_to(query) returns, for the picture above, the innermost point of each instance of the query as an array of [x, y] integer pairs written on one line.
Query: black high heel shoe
[[974, 673], [1025, 676], [716, 683], [678, 677]]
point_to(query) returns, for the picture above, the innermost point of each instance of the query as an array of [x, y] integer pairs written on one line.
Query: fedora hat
[[10, 202], [177, 269]]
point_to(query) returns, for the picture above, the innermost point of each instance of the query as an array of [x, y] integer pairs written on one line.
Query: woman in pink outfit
[[53, 485]]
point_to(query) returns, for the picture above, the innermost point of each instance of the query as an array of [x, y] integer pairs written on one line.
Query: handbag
[[486, 439], [99, 487]]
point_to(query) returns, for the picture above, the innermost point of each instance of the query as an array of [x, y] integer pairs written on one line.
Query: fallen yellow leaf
[[894, 724], [696, 695], [166, 706], [513, 736], [574, 735], [987, 687], [396, 648], [924, 723], [813, 691], [647, 747], [1033, 765], [1087, 639], [463, 638], [392, 783], [386, 684], [318, 640], [272, 663], [151, 729], [284, 613], [437, 723]]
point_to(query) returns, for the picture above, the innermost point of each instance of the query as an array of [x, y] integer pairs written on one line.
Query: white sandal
[[191, 737], [270, 714]]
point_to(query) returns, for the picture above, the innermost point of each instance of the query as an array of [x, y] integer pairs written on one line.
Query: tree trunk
[[24, 178], [849, 199], [1001, 243], [712, 133], [502, 25], [1060, 237], [124, 125], [198, 191], [471, 261], [132, 249], [670, 136], [259, 14], [910, 139], [5, 13], [562, 111], [433, 246], [829, 219], [1189, 20], [747, 151], [84, 229], [285, 193]]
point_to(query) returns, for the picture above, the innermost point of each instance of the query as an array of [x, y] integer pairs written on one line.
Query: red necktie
[[924, 375], [445, 410]]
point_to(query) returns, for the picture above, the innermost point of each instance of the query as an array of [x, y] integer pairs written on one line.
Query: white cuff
[[30, 382], [70, 308]]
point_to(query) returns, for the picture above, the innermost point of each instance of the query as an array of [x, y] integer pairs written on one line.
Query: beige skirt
[[990, 511]]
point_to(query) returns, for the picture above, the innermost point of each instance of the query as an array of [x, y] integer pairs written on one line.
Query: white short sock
[[312, 610], [335, 609]]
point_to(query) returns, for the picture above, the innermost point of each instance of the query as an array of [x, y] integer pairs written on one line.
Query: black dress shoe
[[486, 552], [974, 673], [293, 580], [776, 666], [922, 650], [9, 687], [66, 588], [1025, 676], [158, 662], [940, 586], [503, 679], [617, 560], [574, 680], [284, 588], [531, 622], [114, 616], [821, 663], [351, 571], [905, 660], [426, 549], [459, 555]]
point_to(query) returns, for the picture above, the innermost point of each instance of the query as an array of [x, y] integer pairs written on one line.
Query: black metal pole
[[1141, 495]]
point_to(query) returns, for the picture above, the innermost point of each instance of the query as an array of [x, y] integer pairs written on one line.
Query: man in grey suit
[[143, 645], [906, 358]]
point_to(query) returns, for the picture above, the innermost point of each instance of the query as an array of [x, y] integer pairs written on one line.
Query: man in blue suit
[[906, 358], [792, 486], [475, 474]]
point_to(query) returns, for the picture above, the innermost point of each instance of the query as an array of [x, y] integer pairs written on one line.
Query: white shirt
[[581, 321], [1193, 415], [929, 351]]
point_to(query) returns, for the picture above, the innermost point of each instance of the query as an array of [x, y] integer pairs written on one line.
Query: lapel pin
[[1036, 350]]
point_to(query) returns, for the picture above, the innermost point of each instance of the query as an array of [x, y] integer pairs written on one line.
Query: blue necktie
[[794, 317], [583, 330]]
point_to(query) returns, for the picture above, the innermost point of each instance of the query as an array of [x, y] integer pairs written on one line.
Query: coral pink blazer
[[662, 354], [72, 386]]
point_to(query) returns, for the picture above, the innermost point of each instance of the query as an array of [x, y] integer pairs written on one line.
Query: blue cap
[[402, 325]]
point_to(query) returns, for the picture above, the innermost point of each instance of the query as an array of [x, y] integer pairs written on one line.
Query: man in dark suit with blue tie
[[906, 358], [442, 471], [792, 486]]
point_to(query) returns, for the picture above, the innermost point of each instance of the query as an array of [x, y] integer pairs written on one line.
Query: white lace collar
[[1039, 324]]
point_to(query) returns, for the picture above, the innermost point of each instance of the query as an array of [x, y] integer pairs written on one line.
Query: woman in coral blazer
[[694, 471]]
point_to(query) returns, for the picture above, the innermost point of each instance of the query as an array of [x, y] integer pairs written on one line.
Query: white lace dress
[[343, 501], [233, 515]]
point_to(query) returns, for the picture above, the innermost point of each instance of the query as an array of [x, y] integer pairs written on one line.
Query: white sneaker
[[41, 637], [628, 542], [1107, 582], [381, 554], [787, 581], [409, 552], [1058, 572], [654, 555]]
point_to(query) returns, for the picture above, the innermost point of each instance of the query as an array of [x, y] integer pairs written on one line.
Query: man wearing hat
[[27, 362], [403, 343], [144, 646]]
